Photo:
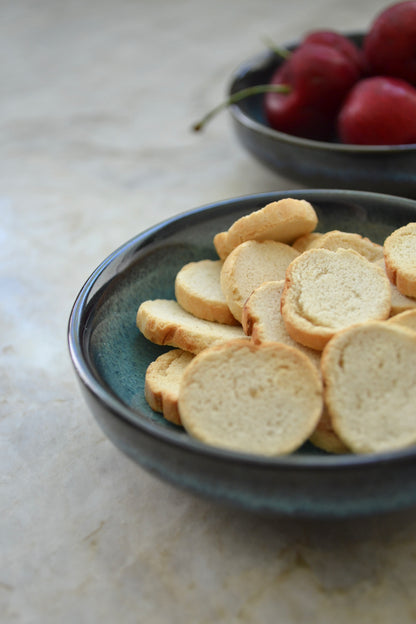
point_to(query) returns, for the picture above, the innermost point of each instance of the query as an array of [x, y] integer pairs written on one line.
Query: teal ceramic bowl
[[110, 358], [318, 164]]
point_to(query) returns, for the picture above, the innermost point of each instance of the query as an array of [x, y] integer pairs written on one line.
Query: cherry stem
[[282, 52], [240, 95]]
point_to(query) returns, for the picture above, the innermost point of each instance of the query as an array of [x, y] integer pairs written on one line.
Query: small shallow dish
[[110, 357], [319, 164]]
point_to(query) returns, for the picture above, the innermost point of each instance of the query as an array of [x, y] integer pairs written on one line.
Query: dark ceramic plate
[[110, 357], [382, 169]]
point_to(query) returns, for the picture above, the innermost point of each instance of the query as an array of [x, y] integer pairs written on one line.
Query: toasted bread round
[[406, 319], [262, 318], [284, 221], [400, 259], [325, 438], [220, 244], [369, 373], [264, 399], [336, 239], [162, 380], [164, 322], [248, 266], [399, 303], [326, 291], [303, 243], [198, 291]]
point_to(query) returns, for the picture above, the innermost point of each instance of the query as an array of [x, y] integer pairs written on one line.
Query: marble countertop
[[97, 102]]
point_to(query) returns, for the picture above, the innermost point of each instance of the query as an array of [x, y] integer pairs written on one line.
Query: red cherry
[[341, 43], [290, 114], [319, 78], [390, 44], [379, 111]]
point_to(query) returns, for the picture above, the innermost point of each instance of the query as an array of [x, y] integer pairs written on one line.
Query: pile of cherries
[[334, 90]]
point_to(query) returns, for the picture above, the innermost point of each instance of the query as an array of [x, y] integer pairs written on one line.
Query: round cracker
[[263, 399]]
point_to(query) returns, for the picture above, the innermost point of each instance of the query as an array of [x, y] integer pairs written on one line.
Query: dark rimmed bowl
[[110, 358], [319, 164]]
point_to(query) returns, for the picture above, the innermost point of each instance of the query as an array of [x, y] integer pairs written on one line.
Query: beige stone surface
[[97, 100]]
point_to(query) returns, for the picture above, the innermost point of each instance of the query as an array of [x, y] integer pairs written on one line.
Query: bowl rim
[[76, 331], [237, 113]]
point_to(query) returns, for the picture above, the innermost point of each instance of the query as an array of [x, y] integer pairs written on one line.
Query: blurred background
[[96, 108]]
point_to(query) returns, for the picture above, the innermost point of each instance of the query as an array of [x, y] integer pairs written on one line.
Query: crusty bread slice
[[369, 373], [326, 291], [162, 381], [400, 258], [303, 243], [164, 322], [399, 303], [284, 221], [325, 438], [198, 291], [264, 399], [336, 239], [249, 265], [220, 244], [406, 319], [262, 318]]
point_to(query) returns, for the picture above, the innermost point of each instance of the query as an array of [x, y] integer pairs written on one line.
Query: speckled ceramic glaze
[[110, 357], [382, 169]]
